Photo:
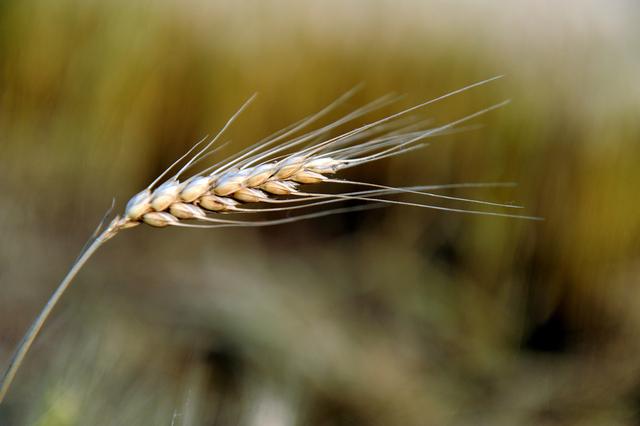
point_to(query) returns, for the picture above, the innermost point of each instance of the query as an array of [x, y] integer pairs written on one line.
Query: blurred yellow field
[[395, 316]]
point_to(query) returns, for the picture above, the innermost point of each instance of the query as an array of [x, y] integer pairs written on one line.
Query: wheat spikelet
[[274, 175]]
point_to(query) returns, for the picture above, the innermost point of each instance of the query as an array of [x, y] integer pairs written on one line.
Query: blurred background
[[398, 316]]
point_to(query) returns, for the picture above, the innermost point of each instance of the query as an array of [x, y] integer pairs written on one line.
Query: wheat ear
[[270, 176]]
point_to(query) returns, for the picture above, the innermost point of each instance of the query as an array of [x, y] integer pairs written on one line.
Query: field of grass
[[396, 316]]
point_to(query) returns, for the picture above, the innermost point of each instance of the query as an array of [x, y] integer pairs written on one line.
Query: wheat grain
[[274, 173]]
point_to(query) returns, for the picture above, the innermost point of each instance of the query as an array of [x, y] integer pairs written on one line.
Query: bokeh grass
[[390, 317]]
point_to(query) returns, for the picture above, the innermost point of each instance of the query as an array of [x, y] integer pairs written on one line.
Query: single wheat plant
[[277, 174]]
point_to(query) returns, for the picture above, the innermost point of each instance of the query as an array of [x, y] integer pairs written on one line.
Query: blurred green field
[[398, 316]]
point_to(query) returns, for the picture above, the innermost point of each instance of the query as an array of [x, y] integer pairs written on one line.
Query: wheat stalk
[[271, 176]]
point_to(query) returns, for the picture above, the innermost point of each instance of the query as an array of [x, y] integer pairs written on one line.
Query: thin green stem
[[32, 333]]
